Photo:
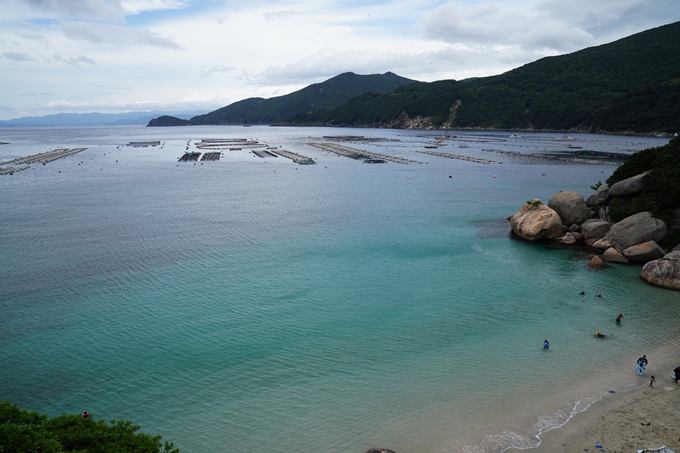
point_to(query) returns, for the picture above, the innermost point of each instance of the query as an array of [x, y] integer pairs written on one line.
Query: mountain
[[632, 84], [90, 119], [331, 93]]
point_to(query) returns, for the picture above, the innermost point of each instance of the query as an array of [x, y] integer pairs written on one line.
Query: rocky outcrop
[[664, 272], [643, 253], [166, 121], [596, 263], [613, 256], [536, 221], [601, 196], [636, 229], [602, 244], [570, 206], [567, 239], [628, 186], [594, 229]]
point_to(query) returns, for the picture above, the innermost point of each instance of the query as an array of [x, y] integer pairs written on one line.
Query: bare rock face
[[602, 244], [643, 253], [594, 228], [536, 222], [568, 239], [636, 229], [596, 263], [664, 272], [613, 256], [570, 206], [628, 186], [600, 197]]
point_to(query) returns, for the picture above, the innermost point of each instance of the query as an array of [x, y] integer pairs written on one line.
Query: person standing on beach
[[641, 365], [676, 374], [652, 381]]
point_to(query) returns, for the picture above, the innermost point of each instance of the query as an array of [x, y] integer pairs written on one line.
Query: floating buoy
[[409, 177], [494, 176]]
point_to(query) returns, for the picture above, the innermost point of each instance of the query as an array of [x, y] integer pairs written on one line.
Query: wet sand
[[642, 418]]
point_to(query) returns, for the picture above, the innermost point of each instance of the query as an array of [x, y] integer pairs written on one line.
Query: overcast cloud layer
[[122, 55]]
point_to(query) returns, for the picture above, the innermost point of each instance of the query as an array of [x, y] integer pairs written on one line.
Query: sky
[[115, 56]]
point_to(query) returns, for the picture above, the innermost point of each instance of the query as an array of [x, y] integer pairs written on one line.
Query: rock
[[643, 253], [628, 186], [676, 214], [594, 229], [676, 248], [674, 225], [604, 215], [570, 206], [601, 196], [636, 229], [613, 256], [590, 242], [596, 262], [578, 236], [567, 239], [536, 222], [379, 450], [573, 228], [664, 272], [602, 244]]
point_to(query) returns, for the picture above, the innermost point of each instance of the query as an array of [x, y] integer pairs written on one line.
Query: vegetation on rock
[[27, 431]]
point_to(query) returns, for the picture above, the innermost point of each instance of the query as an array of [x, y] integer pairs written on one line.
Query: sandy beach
[[625, 422]]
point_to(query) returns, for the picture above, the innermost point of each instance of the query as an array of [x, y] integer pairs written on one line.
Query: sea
[[254, 304]]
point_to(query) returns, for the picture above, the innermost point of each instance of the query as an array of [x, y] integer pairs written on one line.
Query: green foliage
[[303, 103], [661, 190], [26, 431], [535, 202], [629, 85], [596, 186]]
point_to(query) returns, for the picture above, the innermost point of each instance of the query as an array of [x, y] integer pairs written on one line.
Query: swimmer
[[583, 293], [600, 335], [619, 317], [546, 345], [85, 414]]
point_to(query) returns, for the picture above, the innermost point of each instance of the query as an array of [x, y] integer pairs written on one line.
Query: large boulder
[[601, 196], [664, 272], [602, 244], [628, 186], [536, 221], [636, 229], [567, 239], [570, 206], [596, 263], [594, 228], [643, 253], [613, 256]]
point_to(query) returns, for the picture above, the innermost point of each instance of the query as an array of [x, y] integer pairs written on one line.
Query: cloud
[[278, 15], [489, 25], [77, 61], [17, 56], [211, 70], [132, 7], [113, 35], [102, 9]]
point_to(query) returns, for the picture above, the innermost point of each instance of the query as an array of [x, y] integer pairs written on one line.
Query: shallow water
[[255, 303]]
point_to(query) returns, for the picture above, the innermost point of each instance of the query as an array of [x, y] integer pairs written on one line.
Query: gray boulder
[[636, 229], [664, 272], [628, 186], [613, 256], [604, 215], [567, 239], [534, 222], [601, 196], [676, 248], [570, 206], [643, 253], [602, 244], [594, 228]]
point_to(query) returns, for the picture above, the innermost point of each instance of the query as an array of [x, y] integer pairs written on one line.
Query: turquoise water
[[253, 303]]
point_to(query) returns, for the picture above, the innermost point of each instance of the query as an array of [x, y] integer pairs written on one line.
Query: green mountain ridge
[[632, 84], [328, 94]]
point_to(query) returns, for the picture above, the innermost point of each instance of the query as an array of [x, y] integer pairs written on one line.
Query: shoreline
[[619, 421]]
